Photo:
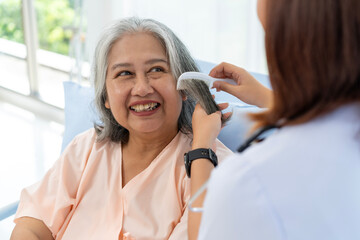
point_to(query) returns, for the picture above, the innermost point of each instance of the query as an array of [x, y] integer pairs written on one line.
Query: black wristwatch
[[192, 155]]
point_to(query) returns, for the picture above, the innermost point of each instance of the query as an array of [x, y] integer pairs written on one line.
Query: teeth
[[144, 107]]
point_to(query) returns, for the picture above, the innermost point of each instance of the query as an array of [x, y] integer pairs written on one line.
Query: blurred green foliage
[[54, 21], [11, 20]]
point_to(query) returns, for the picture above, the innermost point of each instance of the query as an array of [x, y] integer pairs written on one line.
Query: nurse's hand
[[248, 89]]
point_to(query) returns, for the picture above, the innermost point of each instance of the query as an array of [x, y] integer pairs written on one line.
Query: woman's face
[[141, 90], [261, 6]]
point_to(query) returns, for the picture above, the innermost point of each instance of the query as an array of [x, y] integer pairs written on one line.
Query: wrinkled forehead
[[138, 43]]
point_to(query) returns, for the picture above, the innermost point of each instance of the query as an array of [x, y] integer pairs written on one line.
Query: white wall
[[213, 30]]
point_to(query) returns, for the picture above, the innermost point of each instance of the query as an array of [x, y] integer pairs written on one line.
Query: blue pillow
[[80, 111]]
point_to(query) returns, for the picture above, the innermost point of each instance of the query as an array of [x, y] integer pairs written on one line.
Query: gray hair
[[180, 61]]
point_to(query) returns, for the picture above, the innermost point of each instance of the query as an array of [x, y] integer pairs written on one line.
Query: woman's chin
[[152, 128]]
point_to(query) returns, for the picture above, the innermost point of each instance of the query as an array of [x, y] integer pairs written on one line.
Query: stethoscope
[[257, 136]]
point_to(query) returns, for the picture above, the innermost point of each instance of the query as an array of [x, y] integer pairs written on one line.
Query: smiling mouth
[[145, 107]]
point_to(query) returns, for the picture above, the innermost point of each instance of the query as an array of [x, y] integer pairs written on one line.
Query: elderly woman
[[126, 178]]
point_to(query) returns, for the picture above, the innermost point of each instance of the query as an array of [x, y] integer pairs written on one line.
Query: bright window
[[213, 30]]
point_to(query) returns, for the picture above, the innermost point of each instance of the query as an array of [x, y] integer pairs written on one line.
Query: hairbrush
[[189, 76]]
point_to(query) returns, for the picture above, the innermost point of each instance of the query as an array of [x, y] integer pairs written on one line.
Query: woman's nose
[[142, 86]]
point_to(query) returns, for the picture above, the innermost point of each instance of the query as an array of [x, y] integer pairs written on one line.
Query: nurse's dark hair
[[313, 56], [180, 61]]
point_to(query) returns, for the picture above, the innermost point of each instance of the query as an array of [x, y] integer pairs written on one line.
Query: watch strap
[[207, 153], [199, 153]]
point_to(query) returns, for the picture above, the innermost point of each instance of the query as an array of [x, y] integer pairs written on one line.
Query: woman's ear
[[105, 100], [183, 96], [107, 105]]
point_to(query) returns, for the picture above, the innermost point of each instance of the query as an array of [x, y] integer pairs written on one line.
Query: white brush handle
[[201, 76], [228, 80]]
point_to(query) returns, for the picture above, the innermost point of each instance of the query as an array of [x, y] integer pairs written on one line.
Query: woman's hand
[[205, 131], [248, 89], [28, 228], [206, 127]]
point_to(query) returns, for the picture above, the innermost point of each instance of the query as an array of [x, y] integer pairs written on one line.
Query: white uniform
[[302, 183]]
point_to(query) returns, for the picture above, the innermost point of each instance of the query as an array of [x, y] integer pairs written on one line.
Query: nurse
[[302, 182]]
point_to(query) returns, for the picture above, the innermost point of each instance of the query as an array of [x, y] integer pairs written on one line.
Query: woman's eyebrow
[[117, 65], [156, 60], [150, 61]]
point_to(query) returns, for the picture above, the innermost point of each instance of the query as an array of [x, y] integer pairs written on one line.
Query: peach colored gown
[[81, 196]]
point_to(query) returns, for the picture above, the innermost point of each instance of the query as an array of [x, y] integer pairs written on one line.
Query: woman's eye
[[123, 73], [157, 69]]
